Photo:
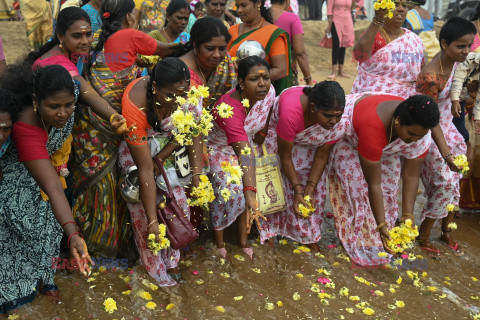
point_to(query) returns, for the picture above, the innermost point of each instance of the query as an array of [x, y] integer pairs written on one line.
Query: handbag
[[182, 163], [269, 182], [326, 42], [180, 230]]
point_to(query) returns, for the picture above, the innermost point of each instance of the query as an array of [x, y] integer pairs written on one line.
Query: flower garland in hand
[[402, 237], [388, 5], [187, 124], [164, 243], [203, 194]]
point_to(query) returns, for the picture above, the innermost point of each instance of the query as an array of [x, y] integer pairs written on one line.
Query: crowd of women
[[97, 99]]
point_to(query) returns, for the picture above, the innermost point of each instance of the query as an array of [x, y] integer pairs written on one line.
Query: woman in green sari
[[257, 25]]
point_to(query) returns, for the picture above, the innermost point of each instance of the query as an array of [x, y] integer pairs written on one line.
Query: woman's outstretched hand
[[119, 124], [79, 252]]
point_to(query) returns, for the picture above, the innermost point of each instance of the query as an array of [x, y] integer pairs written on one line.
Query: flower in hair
[[106, 15]]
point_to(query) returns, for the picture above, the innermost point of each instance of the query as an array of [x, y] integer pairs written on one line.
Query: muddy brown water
[[272, 277]]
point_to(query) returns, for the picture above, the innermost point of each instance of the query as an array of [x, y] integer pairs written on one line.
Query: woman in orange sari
[[257, 26]]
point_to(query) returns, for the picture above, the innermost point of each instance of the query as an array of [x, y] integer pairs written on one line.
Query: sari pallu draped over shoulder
[[286, 223], [99, 209], [29, 233], [392, 69], [266, 36], [354, 220]]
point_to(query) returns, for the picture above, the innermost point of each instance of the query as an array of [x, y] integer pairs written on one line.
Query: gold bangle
[[112, 116], [384, 223], [153, 221], [412, 217]]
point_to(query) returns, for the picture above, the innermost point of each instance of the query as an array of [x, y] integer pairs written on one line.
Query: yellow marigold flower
[[91, 279], [239, 257], [382, 254], [181, 100], [199, 281], [304, 249], [203, 91], [450, 207], [13, 317], [306, 211], [269, 306], [475, 316], [344, 291], [398, 262], [475, 297], [474, 279], [283, 241], [256, 270], [368, 311], [392, 290], [145, 295], [150, 285], [443, 296], [279, 303], [424, 274], [379, 293], [432, 289], [151, 236], [238, 298], [226, 194], [319, 255], [461, 162], [151, 305], [246, 103], [110, 305], [324, 271], [220, 308], [452, 225], [354, 298], [224, 110], [102, 269], [225, 275], [296, 296], [299, 275], [246, 151], [349, 310], [169, 306], [297, 251], [126, 292], [330, 285], [399, 304]]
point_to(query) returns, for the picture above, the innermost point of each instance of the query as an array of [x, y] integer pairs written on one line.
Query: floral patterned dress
[[442, 186], [29, 233], [354, 218], [287, 223], [392, 69], [224, 213]]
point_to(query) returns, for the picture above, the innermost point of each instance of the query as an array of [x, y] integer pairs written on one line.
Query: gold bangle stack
[[384, 223]]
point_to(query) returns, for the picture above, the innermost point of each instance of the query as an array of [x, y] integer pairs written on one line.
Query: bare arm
[[47, 178], [298, 47], [195, 156], [410, 177], [320, 160], [165, 49], [439, 138], [362, 50], [279, 68]]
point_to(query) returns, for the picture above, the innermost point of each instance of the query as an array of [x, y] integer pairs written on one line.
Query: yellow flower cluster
[[403, 236], [246, 103], [145, 295], [246, 151], [187, 124], [452, 226], [164, 243], [224, 110], [226, 194], [110, 305], [388, 5], [151, 305], [461, 162], [203, 194], [450, 207], [306, 211]]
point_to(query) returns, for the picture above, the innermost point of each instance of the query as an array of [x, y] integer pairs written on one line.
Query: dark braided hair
[[112, 13], [51, 79], [174, 6], [167, 72], [203, 30], [418, 109], [66, 18], [9, 104], [264, 12], [245, 64], [326, 95]]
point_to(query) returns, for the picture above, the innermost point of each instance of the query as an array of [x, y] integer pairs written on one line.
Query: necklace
[[441, 66], [200, 69], [254, 27], [43, 123], [386, 35], [166, 35], [391, 131]]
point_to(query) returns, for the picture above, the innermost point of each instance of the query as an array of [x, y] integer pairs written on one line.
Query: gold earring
[[396, 122], [153, 90], [35, 108]]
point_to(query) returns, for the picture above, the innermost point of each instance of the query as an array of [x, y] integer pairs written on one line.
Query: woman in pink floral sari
[[390, 57], [367, 166], [231, 135], [442, 183], [306, 123]]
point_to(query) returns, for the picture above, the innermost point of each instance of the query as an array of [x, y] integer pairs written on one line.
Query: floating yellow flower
[[246, 103], [344, 291], [238, 298], [368, 311], [126, 292], [239, 257], [392, 290], [279, 303], [349, 310], [474, 279], [151, 305], [225, 275], [220, 308], [283, 242], [199, 281], [306, 211], [299, 275], [13, 317], [203, 194], [150, 285], [296, 296], [450, 207], [203, 91], [379, 293], [256, 270], [304, 249], [91, 279], [461, 162], [452, 225], [443, 296], [432, 289], [224, 110], [110, 305], [399, 304], [169, 306], [354, 298], [145, 295], [269, 306]]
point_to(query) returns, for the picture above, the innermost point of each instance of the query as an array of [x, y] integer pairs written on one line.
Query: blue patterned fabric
[[29, 233], [95, 19]]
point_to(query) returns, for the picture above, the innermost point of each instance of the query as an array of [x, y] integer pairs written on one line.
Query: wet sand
[[274, 275]]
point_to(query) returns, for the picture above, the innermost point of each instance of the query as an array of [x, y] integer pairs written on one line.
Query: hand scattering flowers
[[388, 5], [403, 236], [306, 211], [187, 123], [461, 162], [203, 194], [164, 243]]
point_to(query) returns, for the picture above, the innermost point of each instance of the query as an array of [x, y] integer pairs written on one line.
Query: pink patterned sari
[[393, 69], [354, 219], [287, 223], [224, 213]]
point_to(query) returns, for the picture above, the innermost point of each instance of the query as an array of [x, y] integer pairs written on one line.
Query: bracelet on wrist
[[306, 78], [380, 226], [63, 226], [152, 222], [112, 116], [311, 183], [296, 185], [446, 157], [197, 174], [295, 193], [68, 241], [249, 188]]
